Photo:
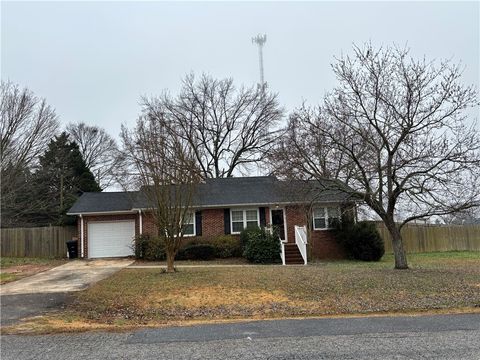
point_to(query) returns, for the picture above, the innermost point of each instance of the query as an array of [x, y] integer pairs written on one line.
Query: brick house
[[303, 213]]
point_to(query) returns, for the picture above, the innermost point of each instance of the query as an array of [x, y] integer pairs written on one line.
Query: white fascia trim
[[105, 212], [81, 237], [140, 222]]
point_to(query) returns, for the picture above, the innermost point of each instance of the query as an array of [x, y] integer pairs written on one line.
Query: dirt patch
[[12, 268], [26, 269], [20, 271]]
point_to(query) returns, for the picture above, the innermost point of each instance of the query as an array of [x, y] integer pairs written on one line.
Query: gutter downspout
[[81, 236], [140, 226]]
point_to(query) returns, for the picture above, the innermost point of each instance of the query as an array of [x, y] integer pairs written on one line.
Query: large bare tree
[[165, 168], [396, 130], [228, 129], [99, 150], [27, 123]]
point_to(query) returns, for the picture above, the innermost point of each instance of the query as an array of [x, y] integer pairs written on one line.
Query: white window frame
[[244, 214], [194, 226], [325, 213]]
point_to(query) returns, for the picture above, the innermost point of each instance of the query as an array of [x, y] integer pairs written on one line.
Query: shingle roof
[[260, 190], [102, 202]]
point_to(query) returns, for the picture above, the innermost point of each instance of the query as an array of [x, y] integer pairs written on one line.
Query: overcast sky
[[93, 60]]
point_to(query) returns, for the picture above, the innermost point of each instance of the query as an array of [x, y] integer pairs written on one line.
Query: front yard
[[12, 268], [138, 297]]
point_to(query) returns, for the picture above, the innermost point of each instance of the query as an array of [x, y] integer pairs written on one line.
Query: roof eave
[[116, 212]]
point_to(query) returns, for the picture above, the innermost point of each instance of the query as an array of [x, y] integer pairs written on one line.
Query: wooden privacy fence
[[430, 238], [36, 241]]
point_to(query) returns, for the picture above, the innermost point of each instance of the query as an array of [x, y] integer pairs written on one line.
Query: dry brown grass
[[148, 297], [12, 268]]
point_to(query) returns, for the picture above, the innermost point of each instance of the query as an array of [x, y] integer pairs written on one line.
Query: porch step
[[293, 255]]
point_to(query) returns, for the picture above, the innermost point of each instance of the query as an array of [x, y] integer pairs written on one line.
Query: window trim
[[244, 215], [325, 213], [194, 223]]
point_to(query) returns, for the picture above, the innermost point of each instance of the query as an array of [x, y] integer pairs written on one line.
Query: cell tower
[[260, 40]]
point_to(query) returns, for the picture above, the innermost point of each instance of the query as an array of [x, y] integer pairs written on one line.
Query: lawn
[[12, 268], [137, 297]]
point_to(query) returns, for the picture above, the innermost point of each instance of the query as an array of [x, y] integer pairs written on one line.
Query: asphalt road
[[425, 337], [17, 307]]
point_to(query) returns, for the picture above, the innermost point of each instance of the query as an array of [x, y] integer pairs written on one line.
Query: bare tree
[[401, 126], [99, 150], [304, 153], [27, 124], [164, 167], [228, 129]]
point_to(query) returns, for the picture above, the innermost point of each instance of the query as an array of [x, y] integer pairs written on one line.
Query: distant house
[[301, 211]]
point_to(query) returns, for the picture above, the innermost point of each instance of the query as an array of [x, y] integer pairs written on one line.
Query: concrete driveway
[[50, 290], [76, 275]]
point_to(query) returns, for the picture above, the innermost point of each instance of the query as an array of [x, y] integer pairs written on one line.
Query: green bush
[[149, 248], [227, 246], [197, 252], [248, 234], [261, 247], [361, 241]]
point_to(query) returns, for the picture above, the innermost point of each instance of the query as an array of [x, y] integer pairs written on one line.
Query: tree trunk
[[170, 261], [397, 244]]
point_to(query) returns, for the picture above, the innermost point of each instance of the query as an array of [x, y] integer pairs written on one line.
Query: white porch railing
[[301, 241]]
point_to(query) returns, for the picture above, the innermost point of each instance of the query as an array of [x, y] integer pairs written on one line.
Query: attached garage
[[110, 238]]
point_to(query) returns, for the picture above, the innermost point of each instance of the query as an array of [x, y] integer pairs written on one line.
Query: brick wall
[[322, 244], [295, 215], [213, 222], [212, 226], [148, 222]]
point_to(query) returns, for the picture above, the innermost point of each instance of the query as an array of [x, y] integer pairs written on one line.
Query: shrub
[[149, 248], [198, 252], [226, 246], [248, 234], [361, 241], [262, 247]]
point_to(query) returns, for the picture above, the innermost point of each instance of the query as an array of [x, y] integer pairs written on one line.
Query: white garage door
[[110, 239]]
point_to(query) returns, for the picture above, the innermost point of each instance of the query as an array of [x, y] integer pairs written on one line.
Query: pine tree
[[62, 176]]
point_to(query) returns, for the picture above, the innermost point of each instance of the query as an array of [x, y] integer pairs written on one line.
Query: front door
[[278, 222]]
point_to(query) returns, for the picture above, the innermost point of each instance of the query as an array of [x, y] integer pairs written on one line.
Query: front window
[[251, 217], [243, 219], [189, 225], [237, 221], [325, 217]]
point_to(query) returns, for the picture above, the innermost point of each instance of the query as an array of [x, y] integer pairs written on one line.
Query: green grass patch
[[6, 262], [4, 278]]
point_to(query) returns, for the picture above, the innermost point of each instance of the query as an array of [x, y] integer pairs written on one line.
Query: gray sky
[[93, 60]]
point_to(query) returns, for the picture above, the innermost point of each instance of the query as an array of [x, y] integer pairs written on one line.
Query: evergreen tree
[[62, 176], [18, 198]]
